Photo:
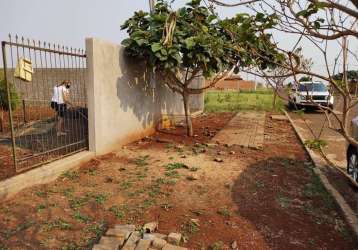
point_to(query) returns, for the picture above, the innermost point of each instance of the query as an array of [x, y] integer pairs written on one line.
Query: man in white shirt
[[59, 101]]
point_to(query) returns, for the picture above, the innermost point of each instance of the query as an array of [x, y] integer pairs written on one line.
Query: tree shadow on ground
[[289, 206]]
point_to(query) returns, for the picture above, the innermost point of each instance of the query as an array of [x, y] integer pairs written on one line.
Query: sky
[[69, 22]]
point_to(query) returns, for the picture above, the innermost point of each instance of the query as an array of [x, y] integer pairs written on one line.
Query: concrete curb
[[41, 175], [319, 162]]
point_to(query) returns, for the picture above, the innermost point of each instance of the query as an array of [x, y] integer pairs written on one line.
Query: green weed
[[315, 143], [71, 246], [119, 211], [40, 207], [141, 161], [283, 201], [217, 245], [224, 212], [176, 165], [81, 217], [78, 202], [58, 224], [71, 175]]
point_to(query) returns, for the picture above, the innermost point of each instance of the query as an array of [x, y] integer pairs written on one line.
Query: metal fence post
[[3, 44]]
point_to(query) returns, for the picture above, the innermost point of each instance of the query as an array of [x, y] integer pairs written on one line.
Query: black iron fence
[[34, 131]]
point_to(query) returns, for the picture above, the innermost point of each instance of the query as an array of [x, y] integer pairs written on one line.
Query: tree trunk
[[189, 125], [274, 100], [1, 120]]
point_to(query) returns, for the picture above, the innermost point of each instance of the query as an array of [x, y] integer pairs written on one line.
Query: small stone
[[174, 238], [232, 152], [110, 242], [150, 227], [192, 177], [234, 245], [122, 169], [195, 135], [221, 153], [183, 156], [143, 244], [218, 160], [172, 247], [158, 243]]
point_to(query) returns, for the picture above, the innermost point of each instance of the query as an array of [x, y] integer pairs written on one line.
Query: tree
[[193, 42], [320, 22], [305, 79]]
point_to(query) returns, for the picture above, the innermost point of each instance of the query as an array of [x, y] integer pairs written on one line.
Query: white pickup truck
[[310, 94]]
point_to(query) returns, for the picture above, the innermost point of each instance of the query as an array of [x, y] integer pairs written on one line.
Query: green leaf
[[189, 42], [156, 47]]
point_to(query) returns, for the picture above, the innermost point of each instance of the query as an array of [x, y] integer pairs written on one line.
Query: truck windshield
[[317, 87]]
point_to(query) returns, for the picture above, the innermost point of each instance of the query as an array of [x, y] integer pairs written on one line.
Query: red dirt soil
[[267, 199]]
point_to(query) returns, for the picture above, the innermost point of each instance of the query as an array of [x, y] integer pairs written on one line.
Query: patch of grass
[[217, 245], [190, 227], [315, 189], [119, 211], [259, 184], [81, 217], [224, 212], [98, 229], [100, 198], [41, 193], [165, 181], [283, 201], [176, 165], [125, 185], [147, 203], [233, 101], [21, 227], [172, 174], [78, 202], [193, 169], [141, 161], [68, 192], [315, 143], [58, 224], [40, 207], [71, 175], [71, 246]]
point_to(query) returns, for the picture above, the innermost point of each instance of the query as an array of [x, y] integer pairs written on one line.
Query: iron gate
[[36, 131]]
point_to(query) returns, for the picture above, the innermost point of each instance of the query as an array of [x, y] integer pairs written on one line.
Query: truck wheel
[[352, 164]]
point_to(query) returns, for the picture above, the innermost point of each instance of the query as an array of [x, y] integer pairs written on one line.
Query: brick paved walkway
[[245, 129]]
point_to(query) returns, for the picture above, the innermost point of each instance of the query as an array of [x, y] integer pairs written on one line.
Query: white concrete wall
[[122, 105]]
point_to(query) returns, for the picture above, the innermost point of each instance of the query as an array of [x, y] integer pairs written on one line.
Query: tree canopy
[[193, 41]]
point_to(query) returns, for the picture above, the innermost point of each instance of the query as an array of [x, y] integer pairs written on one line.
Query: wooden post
[[24, 111]]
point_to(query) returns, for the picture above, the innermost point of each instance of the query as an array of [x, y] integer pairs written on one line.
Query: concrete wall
[[123, 103]]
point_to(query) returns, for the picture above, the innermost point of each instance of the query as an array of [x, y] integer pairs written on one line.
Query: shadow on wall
[[137, 94]]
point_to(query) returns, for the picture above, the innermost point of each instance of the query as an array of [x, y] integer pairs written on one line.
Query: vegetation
[[219, 101], [4, 103], [180, 46]]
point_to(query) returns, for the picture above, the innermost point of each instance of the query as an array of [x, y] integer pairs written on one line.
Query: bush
[[4, 104]]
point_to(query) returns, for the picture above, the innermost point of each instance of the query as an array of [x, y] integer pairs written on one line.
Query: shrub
[[4, 104]]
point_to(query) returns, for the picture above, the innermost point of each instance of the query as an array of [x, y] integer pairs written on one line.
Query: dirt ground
[[267, 199]]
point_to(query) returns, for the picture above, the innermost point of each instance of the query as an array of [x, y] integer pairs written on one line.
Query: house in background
[[235, 82]]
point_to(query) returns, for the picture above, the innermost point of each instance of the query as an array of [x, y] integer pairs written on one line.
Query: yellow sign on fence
[[24, 70]]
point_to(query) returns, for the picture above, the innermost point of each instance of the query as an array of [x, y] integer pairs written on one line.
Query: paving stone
[[129, 228], [173, 247], [143, 244], [110, 242], [99, 247], [118, 233], [279, 117], [132, 241], [159, 243], [150, 227], [174, 238], [160, 236]]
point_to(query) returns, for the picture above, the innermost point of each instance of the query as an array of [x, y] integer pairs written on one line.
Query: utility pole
[[151, 5]]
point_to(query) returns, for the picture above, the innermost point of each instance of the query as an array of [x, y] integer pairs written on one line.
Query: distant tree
[[351, 75], [305, 79], [180, 46]]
